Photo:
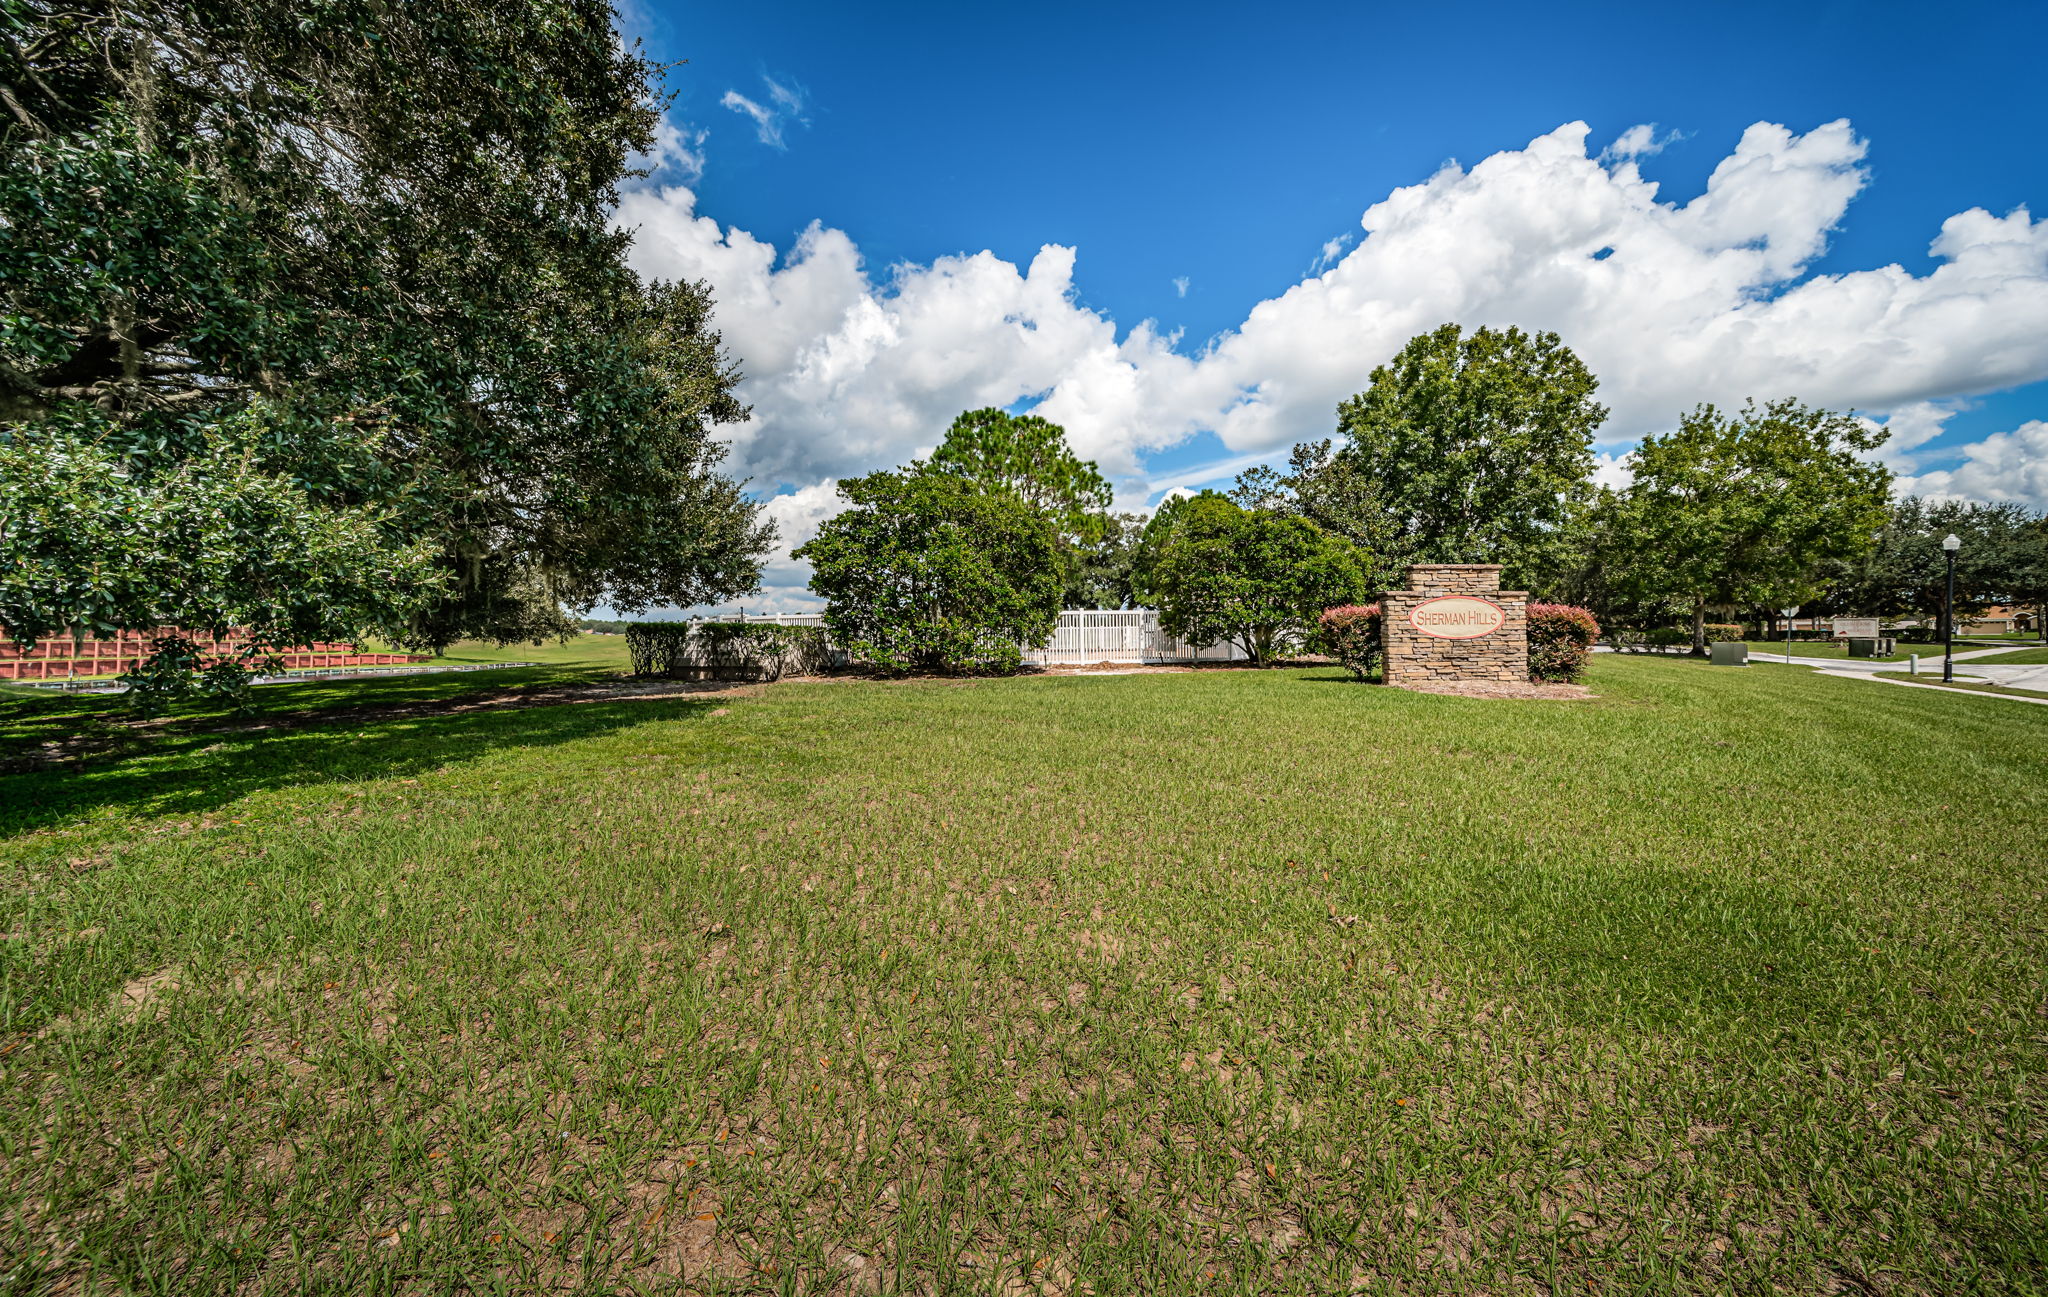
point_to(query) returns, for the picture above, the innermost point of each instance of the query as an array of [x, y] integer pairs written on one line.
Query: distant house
[[2000, 620]]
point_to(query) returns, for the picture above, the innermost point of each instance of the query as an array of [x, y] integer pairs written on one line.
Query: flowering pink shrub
[[1560, 637], [1351, 634]]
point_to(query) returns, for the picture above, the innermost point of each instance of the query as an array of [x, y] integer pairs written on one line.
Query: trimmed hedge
[[718, 650], [1726, 632], [1351, 634], [1660, 639], [1561, 636]]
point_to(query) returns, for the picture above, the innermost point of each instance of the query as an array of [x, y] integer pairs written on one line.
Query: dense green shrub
[[1726, 632], [1660, 639], [726, 650], [931, 572], [1253, 577], [761, 650], [659, 648], [1560, 637], [1351, 634]]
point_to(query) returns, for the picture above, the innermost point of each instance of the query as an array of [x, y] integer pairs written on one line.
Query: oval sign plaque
[[1457, 616]]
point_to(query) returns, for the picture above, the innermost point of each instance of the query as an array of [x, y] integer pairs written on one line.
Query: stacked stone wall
[[1413, 657]]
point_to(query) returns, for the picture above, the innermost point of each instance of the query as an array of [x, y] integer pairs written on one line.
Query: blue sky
[[1225, 147]]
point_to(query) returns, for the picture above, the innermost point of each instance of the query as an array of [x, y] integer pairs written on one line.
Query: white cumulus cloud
[[1671, 302], [2004, 468], [1640, 141], [678, 152], [1910, 427]]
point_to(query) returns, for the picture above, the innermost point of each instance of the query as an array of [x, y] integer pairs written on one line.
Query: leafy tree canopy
[[312, 319], [1904, 573], [1151, 545], [1029, 457], [1103, 574], [1746, 509], [1463, 449], [1252, 577], [931, 571], [1587, 568]]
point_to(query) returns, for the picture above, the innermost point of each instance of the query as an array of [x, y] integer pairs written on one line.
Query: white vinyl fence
[[778, 618], [1126, 635], [1083, 636]]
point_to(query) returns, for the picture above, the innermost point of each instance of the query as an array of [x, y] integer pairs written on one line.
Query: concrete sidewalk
[[2009, 676], [1934, 682], [2015, 676], [1991, 673]]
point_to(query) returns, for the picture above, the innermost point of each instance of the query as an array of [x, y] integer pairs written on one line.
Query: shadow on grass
[[320, 733]]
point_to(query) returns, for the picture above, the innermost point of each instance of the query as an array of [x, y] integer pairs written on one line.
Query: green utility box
[[1730, 654]]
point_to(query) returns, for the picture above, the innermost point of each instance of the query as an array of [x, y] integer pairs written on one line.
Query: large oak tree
[[313, 318], [1755, 507], [1464, 448]]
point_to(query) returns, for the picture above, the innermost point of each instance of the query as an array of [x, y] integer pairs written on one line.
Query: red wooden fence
[[63, 657]]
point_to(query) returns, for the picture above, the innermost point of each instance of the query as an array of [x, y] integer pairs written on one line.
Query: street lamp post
[[1949, 545]]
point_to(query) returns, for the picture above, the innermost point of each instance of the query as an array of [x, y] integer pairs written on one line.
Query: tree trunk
[[1699, 628]]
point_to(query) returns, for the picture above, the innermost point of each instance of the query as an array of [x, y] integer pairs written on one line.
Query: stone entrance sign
[[1454, 622], [1457, 616], [1860, 627]]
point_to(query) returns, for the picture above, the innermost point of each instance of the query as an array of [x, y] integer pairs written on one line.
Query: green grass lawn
[[32, 718], [584, 652], [1218, 982], [1977, 686], [2019, 657]]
